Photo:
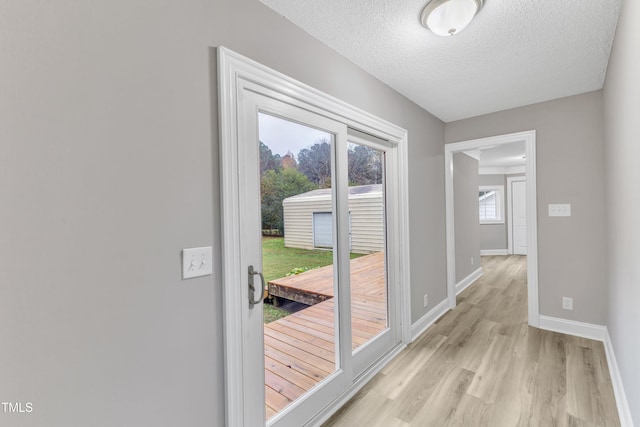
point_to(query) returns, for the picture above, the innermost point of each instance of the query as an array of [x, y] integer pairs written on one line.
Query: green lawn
[[277, 261], [272, 313]]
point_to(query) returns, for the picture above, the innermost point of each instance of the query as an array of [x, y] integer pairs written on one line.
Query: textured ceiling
[[514, 53]]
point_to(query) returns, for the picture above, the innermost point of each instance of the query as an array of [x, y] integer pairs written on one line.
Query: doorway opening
[[513, 211]]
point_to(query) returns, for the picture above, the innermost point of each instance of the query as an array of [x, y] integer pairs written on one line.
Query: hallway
[[482, 365]]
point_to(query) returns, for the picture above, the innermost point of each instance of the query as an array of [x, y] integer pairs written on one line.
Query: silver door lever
[[252, 288]]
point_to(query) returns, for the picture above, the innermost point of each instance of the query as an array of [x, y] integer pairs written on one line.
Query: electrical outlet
[[567, 303], [426, 300]]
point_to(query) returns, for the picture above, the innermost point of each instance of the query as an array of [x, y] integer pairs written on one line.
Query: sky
[[282, 135]]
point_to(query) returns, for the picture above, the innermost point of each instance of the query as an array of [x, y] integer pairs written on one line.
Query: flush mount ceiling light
[[449, 17]]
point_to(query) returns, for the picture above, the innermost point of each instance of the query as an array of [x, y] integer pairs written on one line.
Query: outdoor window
[[491, 204]]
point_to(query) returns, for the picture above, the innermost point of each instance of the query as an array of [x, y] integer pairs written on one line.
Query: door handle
[[252, 288]]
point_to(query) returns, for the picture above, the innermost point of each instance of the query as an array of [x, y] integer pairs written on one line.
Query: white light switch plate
[[560, 210], [196, 262]]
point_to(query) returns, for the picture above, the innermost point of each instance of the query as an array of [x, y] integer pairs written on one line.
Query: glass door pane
[[368, 273], [298, 223]]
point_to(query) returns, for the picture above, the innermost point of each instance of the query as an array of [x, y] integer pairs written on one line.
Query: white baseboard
[[428, 319], [571, 327], [464, 283], [598, 333], [489, 252], [618, 389]]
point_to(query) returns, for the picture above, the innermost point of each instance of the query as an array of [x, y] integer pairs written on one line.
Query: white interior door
[[519, 216]]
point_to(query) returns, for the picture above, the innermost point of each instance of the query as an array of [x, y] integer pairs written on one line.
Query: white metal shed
[[308, 219]]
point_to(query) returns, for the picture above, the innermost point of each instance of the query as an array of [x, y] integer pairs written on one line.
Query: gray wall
[[492, 179], [622, 109], [494, 236], [108, 168], [465, 208], [570, 169]]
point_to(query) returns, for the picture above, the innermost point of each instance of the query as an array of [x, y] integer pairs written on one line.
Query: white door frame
[[529, 137], [510, 180], [234, 71]]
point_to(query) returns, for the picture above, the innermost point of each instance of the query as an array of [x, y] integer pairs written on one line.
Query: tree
[[268, 160], [288, 161], [365, 165], [275, 186], [315, 163]]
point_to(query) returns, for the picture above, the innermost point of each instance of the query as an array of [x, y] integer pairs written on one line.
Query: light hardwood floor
[[482, 365]]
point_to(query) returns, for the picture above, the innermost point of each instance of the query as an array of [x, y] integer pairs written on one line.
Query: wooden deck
[[315, 286], [300, 348]]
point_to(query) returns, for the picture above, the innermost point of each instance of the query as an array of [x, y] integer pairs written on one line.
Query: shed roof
[[371, 190]]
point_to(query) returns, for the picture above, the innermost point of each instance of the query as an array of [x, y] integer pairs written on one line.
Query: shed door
[[322, 230]]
